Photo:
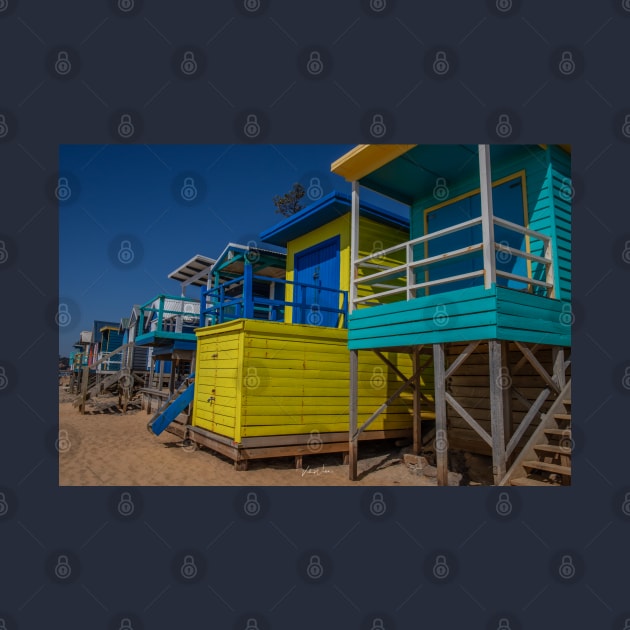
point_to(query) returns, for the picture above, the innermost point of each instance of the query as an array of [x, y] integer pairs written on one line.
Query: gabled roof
[[325, 210]]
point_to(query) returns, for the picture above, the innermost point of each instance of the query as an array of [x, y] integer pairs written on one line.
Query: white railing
[[386, 273]]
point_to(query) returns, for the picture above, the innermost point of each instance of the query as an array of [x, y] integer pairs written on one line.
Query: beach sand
[[108, 449]]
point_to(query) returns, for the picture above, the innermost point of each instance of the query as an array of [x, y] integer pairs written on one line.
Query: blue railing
[[311, 303]]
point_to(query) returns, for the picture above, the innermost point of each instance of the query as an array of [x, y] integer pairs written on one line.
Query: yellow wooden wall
[[373, 236], [272, 378]]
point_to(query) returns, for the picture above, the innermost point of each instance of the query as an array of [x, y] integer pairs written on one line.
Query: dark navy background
[[558, 72]]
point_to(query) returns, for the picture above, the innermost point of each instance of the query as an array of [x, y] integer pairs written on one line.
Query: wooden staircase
[[546, 458]]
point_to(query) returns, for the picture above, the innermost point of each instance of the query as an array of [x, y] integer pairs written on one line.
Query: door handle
[[211, 399]]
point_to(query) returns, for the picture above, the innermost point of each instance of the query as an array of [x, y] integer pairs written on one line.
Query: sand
[[110, 449]]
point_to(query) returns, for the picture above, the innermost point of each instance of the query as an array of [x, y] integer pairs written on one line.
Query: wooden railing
[[405, 273]]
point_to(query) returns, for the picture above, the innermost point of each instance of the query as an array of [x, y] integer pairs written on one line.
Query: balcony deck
[[168, 321], [462, 315]]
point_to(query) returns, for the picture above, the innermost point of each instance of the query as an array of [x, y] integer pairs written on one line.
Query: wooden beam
[[441, 454], [387, 362], [469, 419], [389, 401], [505, 382], [557, 356], [526, 421], [417, 423], [538, 367], [466, 352], [354, 245], [497, 419], [487, 216], [352, 428]]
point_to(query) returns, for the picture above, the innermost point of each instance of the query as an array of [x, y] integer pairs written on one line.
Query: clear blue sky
[[133, 192]]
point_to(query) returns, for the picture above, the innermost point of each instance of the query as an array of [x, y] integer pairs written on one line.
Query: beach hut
[[272, 365], [485, 278], [166, 324]]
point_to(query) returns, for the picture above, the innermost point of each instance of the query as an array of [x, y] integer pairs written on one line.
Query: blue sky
[[133, 193]]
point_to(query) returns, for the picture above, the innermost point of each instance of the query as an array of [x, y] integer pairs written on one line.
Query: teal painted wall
[[546, 172], [498, 313]]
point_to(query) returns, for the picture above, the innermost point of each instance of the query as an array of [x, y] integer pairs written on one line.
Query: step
[[561, 433], [554, 449], [526, 481], [566, 402], [552, 468], [562, 416]]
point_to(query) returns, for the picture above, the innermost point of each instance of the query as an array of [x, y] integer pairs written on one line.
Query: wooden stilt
[[557, 354], [497, 415], [441, 444], [352, 432], [417, 425], [161, 376]]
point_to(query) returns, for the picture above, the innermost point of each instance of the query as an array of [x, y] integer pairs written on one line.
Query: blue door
[[507, 201], [318, 268]]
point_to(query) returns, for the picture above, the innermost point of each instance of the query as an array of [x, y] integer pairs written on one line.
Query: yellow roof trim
[[109, 328], [564, 147], [365, 158]]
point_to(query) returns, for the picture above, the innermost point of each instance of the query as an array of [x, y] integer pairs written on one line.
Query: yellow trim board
[[366, 158]]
